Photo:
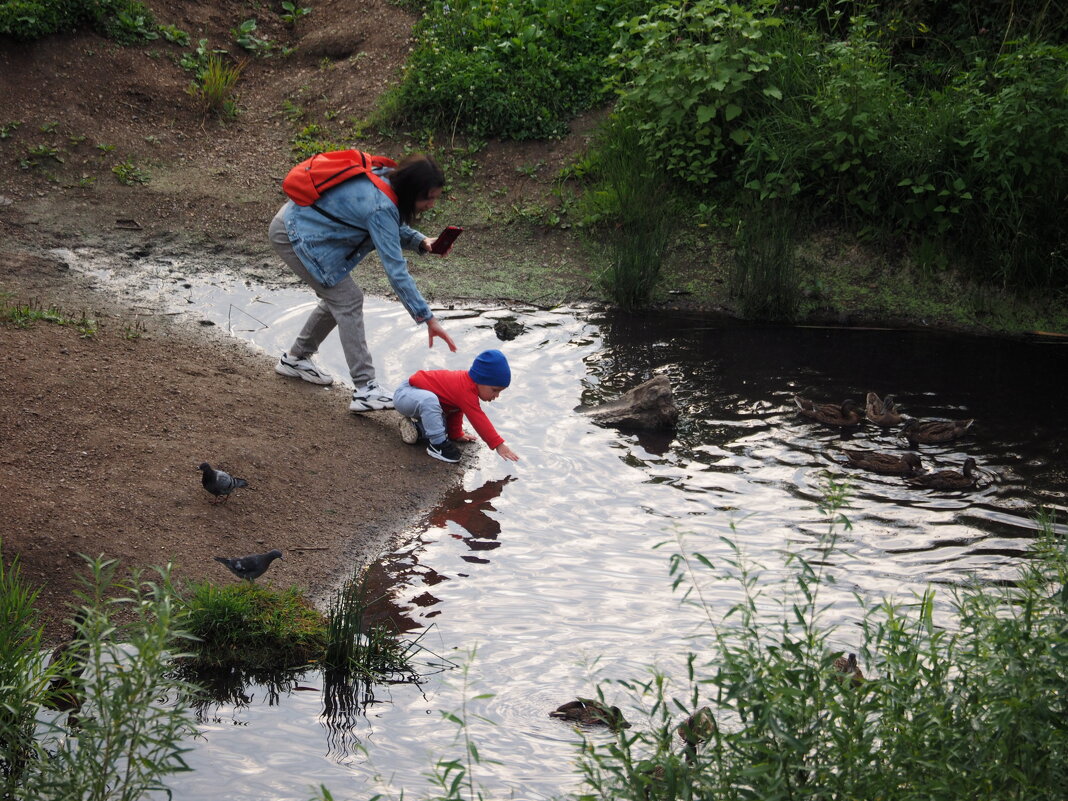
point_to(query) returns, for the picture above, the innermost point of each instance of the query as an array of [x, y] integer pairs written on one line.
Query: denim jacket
[[331, 250]]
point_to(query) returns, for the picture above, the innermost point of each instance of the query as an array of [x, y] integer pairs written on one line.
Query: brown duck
[[591, 713], [949, 479], [843, 415], [847, 666], [929, 431], [882, 411], [889, 464]]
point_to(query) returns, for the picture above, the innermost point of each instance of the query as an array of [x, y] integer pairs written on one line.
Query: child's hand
[[466, 436], [506, 453]]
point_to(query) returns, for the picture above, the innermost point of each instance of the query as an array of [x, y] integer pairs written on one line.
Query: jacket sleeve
[[387, 236]]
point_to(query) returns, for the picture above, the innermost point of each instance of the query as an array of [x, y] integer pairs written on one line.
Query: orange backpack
[[307, 181]]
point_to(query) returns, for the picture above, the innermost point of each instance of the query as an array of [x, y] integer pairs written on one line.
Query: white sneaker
[[371, 398], [302, 368], [409, 430]]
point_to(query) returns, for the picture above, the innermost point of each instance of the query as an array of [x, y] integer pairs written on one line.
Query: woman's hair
[[413, 180]]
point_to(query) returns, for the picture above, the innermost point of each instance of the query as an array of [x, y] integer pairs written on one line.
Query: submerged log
[[647, 407]]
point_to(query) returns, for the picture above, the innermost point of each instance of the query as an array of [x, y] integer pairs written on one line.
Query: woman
[[323, 243]]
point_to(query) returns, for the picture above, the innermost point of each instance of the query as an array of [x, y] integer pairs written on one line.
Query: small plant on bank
[[23, 315], [291, 12], [44, 152], [8, 128], [174, 35], [245, 36], [250, 625], [214, 86], [129, 174]]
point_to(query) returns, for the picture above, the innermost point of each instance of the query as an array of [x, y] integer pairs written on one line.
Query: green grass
[[255, 626]]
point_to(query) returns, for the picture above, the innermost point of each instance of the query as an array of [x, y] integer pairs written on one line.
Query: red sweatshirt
[[459, 398]]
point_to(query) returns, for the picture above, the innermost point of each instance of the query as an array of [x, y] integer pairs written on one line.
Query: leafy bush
[[125, 21], [510, 68], [694, 76]]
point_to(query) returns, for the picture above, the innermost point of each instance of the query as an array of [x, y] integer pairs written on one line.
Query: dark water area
[[532, 583]]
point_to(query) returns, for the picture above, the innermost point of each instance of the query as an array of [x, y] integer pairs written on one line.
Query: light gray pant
[[340, 306], [423, 405]]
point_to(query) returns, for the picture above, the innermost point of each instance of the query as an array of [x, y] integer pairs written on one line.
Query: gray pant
[[340, 306], [423, 405]]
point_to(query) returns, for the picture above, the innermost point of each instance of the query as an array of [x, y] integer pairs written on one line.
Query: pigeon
[[218, 482], [250, 567]]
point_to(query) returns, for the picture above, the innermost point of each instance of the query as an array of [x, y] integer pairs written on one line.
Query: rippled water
[[549, 568]]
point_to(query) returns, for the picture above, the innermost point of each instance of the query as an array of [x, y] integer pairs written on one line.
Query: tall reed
[[765, 278]]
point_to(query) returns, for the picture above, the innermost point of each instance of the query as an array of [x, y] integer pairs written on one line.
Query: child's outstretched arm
[[506, 453]]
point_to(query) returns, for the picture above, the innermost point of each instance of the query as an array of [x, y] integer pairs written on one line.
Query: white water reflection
[[548, 566]]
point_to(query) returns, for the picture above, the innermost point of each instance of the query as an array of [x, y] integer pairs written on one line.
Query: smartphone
[[443, 244]]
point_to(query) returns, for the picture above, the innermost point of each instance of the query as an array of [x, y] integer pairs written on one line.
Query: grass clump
[[214, 85], [960, 700], [257, 626], [24, 315]]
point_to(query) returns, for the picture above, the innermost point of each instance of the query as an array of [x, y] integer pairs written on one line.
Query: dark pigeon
[[250, 567], [218, 482]]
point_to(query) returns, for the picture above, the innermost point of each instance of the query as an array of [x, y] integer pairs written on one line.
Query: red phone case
[[445, 239]]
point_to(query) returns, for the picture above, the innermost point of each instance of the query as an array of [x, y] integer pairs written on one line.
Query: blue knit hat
[[491, 368]]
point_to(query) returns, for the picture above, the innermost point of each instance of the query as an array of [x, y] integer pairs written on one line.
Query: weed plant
[[765, 277], [214, 86], [252, 626], [359, 645], [634, 211], [508, 68], [959, 703], [120, 737], [124, 21]]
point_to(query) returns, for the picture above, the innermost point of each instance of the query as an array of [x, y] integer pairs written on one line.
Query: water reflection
[[548, 565]]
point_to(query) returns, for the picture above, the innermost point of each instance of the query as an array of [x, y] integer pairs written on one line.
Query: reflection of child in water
[[435, 402]]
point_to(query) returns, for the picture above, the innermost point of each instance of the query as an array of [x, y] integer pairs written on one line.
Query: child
[[438, 400]]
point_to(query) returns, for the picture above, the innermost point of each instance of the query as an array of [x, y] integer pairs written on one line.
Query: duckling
[[882, 412], [847, 665], [907, 464], [844, 415], [591, 713], [948, 479], [928, 431]]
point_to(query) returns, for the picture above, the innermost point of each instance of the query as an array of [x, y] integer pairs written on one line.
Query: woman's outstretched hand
[[434, 329]]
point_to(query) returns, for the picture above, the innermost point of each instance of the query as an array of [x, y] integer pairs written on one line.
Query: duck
[[848, 667], [929, 431], [844, 415], [948, 479], [907, 464], [591, 713], [882, 411], [697, 728]]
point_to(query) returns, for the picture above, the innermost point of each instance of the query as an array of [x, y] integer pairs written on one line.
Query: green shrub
[[125, 21], [509, 68]]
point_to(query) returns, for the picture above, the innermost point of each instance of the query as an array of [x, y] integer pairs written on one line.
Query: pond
[[535, 581]]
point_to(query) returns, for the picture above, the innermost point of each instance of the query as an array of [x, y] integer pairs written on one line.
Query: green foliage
[[291, 12], [958, 703], [509, 68], [634, 213], [174, 35], [213, 88], [125, 21], [359, 645], [8, 128], [114, 677], [765, 277], [129, 173], [255, 626], [693, 77], [312, 139], [246, 38]]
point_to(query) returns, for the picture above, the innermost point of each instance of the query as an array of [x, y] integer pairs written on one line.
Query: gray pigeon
[[250, 567], [218, 482]]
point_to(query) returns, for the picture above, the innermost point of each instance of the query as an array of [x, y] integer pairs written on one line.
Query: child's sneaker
[[371, 398], [445, 451], [409, 430], [302, 368]]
